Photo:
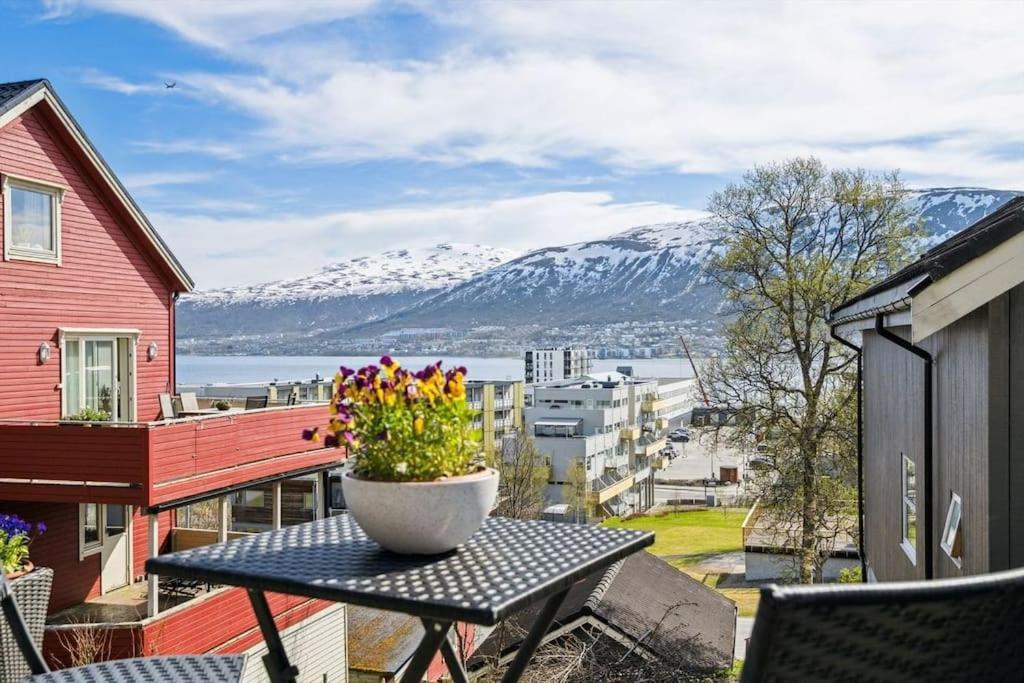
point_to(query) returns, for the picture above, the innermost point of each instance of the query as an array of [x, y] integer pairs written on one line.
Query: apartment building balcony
[[608, 486], [653, 405], [649, 446], [630, 433], [149, 463]]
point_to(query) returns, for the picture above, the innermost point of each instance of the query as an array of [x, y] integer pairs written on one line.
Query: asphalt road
[[696, 460]]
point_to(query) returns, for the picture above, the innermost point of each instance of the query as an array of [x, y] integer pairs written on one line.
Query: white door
[[114, 554]]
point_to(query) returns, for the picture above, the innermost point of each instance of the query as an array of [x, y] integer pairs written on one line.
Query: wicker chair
[[32, 591], [206, 668], [944, 630]]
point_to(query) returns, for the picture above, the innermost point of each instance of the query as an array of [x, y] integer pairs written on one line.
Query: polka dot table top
[[504, 567]]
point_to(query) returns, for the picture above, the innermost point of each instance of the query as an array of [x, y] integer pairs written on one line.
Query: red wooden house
[[87, 292]]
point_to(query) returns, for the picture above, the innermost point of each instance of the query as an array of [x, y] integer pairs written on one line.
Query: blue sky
[[305, 131]]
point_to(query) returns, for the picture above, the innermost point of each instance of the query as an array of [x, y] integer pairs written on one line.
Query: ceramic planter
[[421, 518]]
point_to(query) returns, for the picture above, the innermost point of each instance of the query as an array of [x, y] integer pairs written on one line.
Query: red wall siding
[[140, 538], [106, 280], [73, 581]]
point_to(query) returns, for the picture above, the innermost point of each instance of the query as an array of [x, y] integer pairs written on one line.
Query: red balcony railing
[[155, 462]]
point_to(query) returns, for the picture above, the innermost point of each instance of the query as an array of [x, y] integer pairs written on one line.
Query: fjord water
[[245, 369]]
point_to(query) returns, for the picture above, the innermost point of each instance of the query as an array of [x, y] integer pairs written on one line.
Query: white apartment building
[[674, 400], [554, 364], [598, 421]]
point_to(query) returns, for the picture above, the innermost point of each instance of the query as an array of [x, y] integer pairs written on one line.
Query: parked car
[[679, 435]]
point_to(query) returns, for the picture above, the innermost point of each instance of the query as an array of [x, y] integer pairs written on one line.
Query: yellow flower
[[417, 425]]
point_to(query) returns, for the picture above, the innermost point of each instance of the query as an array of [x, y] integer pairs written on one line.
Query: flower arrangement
[[403, 426], [15, 538]]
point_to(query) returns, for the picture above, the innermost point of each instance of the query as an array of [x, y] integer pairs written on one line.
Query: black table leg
[[279, 668], [452, 660], [437, 633], [534, 637]]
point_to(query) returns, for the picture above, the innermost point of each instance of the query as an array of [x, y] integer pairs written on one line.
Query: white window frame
[[951, 535], [78, 335], [906, 505], [93, 547], [13, 252]]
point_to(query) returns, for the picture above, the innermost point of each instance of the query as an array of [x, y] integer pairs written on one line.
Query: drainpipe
[[928, 437], [860, 452]]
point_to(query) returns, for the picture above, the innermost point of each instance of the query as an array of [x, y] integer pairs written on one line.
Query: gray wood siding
[[961, 356], [1015, 418], [893, 425], [893, 414]]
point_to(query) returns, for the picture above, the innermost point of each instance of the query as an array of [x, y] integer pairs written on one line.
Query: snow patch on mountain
[[390, 272]]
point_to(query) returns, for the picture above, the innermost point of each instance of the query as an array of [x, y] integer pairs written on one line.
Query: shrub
[[221, 404], [850, 575], [403, 426], [15, 538], [91, 415]]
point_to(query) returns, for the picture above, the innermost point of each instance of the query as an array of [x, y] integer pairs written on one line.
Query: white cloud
[[217, 150], [695, 87], [105, 81], [220, 24], [142, 181], [222, 251]]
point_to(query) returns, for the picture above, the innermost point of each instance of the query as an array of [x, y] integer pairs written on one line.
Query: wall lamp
[[44, 353], [152, 351]]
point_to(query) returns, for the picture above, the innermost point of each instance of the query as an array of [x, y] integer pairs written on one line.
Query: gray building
[[942, 347], [598, 425], [552, 364]]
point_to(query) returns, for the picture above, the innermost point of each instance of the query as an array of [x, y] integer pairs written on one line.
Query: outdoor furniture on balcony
[[505, 567], [207, 668], [256, 402], [190, 406], [167, 410], [942, 630]]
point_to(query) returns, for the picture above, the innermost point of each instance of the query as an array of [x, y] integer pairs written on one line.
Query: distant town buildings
[[552, 364]]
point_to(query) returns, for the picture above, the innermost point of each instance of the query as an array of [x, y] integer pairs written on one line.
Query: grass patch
[[690, 536], [746, 599], [684, 539]]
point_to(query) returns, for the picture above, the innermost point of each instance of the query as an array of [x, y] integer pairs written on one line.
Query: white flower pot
[[421, 518]]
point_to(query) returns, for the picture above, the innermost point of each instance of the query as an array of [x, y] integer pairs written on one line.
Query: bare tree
[[524, 478], [798, 238], [85, 643]]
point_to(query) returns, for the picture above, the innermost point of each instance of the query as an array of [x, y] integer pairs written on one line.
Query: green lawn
[[684, 539], [688, 536]]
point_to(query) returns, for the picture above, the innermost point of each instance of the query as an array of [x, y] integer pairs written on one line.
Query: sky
[[305, 132]]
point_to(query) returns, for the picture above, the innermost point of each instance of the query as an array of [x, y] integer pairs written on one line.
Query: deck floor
[[121, 605]]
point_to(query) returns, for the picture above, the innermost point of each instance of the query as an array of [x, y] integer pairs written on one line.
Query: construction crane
[[700, 385]]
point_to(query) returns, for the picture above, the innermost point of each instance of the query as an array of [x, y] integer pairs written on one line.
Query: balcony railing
[[147, 463]]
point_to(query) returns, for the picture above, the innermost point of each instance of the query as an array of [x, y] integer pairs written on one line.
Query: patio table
[[506, 566]]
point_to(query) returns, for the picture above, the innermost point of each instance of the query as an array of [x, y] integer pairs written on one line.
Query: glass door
[[100, 374], [94, 377]]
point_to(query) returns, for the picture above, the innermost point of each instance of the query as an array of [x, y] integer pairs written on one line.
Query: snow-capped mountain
[[356, 290], [653, 272]]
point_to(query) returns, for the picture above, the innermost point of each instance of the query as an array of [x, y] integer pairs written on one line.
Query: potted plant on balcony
[[89, 416], [16, 535], [418, 484]]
